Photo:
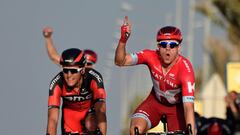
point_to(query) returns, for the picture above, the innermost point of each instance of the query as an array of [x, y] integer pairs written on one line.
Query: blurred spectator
[[213, 126], [233, 109], [218, 126]]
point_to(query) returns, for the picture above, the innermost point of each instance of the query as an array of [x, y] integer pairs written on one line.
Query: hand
[[47, 32], [189, 130], [229, 99], [125, 30]]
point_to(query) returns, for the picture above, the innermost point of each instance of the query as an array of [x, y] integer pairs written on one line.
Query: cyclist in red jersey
[[80, 89], [172, 76], [90, 55], [91, 59]]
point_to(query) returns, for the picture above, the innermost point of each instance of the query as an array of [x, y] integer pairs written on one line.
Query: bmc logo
[[191, 87], [54, 81], [79, 98]]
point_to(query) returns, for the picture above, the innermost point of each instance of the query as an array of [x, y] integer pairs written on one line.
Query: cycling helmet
[[91, 56], [169, 33], [73, 57], [215, 129]]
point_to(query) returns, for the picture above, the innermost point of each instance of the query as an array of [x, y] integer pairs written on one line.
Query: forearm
[[100, 110], [234, 110], [52, 51], [102, 122], [52, 127], [120, 53], [53, 114], [189, 116]]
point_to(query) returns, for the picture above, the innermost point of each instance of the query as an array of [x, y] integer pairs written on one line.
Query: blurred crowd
[[219, 126]]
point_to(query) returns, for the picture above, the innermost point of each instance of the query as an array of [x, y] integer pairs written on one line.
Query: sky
[[26, 70]]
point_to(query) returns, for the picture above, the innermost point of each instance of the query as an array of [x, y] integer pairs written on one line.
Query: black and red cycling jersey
[[76, 103]]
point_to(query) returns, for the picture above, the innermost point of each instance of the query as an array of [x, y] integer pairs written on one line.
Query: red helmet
[[73, 57], [91, 56], [169, 33], [215, 129]]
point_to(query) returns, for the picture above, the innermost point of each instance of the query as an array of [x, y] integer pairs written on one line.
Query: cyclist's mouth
[[71, 79], [167, 55]]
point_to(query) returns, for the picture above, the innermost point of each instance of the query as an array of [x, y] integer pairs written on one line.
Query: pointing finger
[[126, 22]]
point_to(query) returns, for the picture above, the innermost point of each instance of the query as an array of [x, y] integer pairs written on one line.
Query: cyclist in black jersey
[[91, 59]]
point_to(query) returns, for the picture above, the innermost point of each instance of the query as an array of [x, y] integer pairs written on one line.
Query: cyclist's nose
[[69, 73], [168, 47]]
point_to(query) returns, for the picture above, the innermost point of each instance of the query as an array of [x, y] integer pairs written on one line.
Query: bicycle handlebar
[[187, 132], [96, 132], [189, 129]]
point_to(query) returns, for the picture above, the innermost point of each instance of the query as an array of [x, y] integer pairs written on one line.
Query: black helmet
[[73, 57]]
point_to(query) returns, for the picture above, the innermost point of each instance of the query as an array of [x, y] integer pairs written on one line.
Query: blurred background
[[211, 35]]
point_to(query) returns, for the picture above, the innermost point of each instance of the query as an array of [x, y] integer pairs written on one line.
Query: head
[[73, 62], [169, 39], [233, 95], [91, 58]]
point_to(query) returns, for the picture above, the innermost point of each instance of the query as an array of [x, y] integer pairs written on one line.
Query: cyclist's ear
[[82, 71], [179, 48]]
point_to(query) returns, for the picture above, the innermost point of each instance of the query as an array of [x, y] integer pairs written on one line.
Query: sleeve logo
[[191, 87]]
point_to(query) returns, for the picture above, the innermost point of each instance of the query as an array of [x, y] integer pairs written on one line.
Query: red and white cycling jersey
[[177, 85]]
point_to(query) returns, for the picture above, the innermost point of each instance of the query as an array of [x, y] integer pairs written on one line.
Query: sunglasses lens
[[89, 64], [173, 44], [163, 44], [72, 71]]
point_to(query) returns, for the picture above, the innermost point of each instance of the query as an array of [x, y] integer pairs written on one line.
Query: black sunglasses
[[89, 63], [71, 70], [172, 44]]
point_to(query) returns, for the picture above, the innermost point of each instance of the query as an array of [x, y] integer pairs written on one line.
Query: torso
[[175, 83]]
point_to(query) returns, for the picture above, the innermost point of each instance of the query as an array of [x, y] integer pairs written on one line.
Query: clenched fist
[[47, 32]]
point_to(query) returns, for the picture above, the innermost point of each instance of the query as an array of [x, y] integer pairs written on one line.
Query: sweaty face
[[72, 75], [168, 51]]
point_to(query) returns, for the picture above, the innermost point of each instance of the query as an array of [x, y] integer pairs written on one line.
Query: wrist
[[47, 35], [122, 40]]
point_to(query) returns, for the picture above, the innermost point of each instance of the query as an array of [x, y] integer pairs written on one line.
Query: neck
[[79, 83]]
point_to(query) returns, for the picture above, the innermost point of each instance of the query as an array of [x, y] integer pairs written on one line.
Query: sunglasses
[[71, 70], [172, 44], [89, 64]]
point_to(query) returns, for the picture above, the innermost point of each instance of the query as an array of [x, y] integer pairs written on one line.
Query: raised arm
[[121, 56], [51, 50]]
